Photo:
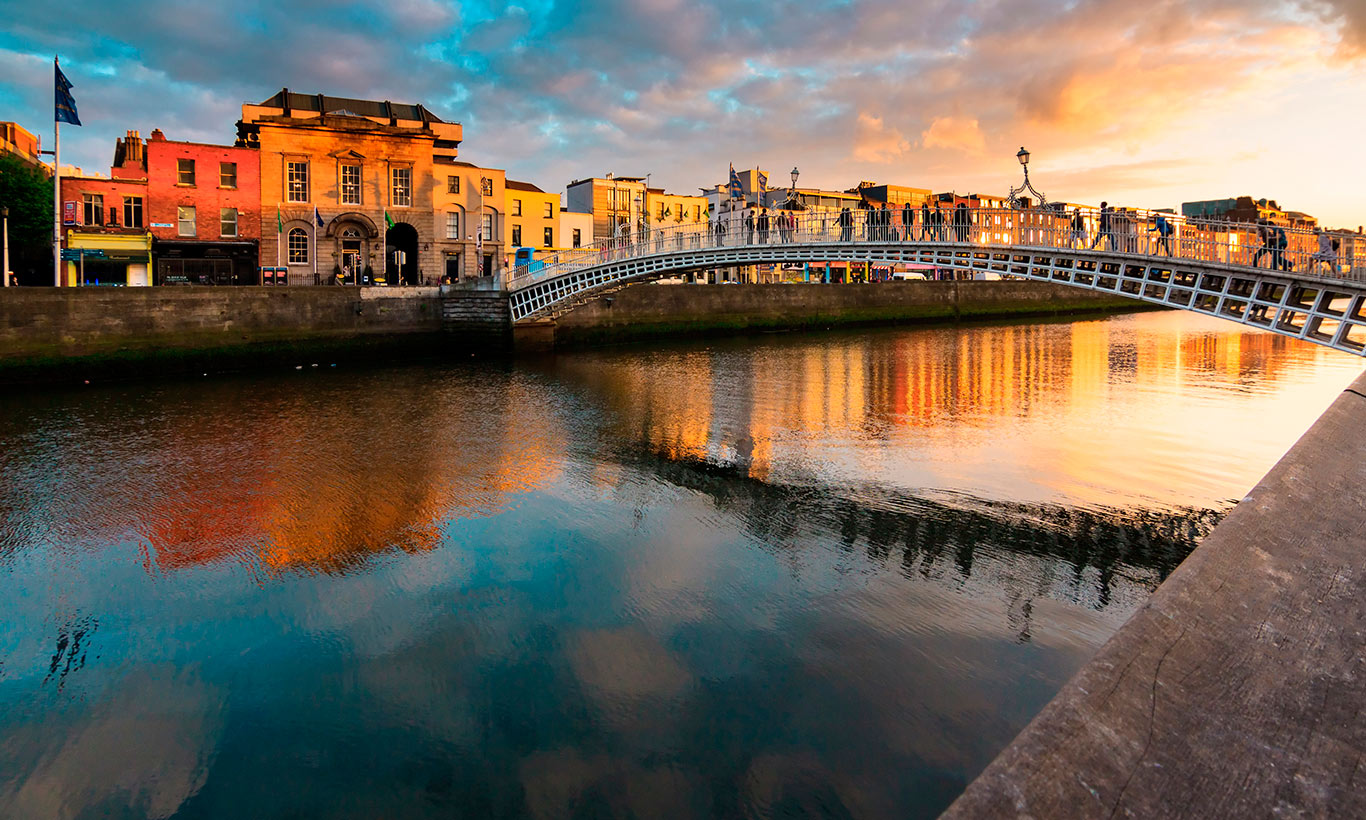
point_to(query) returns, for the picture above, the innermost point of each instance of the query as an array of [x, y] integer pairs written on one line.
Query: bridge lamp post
[[1015, 193], [4, 267], [792, 192]]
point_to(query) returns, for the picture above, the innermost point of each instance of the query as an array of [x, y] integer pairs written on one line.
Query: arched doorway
[[352, 255], [402, 244]]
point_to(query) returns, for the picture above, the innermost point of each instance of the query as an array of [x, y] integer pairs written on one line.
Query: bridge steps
[[476, 314]]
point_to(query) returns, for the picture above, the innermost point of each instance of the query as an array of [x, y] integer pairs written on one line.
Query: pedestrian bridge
[[1287, 283]]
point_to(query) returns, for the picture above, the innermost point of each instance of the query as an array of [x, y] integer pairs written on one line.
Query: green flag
[[279, 221], [388, 220]]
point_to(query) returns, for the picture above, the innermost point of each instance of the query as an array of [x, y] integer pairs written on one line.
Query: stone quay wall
[[657, 310]]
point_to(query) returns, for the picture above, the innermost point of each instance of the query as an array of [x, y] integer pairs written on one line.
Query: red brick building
[[104, 224], [204, 211]]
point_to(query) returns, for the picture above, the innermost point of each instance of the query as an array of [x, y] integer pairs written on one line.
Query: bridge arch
[[1212, 269]]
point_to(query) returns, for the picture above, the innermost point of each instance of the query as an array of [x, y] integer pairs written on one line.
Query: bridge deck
[[1237, 690]]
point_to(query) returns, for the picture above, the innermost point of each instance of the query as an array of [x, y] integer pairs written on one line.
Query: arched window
[[350, 233], [298, 246]]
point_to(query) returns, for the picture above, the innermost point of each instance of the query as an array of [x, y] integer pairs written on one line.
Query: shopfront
[[205, 263], [107, 258]]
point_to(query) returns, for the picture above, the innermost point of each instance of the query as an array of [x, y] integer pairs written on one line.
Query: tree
[[27, 191]]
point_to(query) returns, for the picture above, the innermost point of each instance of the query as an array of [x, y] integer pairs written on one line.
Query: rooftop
[[348, 107]]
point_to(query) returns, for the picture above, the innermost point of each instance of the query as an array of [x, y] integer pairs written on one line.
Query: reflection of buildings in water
[[745, 402], [327, 483]]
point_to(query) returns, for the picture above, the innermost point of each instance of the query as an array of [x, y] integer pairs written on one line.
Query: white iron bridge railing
[[1131, 232]]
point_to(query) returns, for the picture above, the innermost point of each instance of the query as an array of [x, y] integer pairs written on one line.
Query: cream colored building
[[615, 203], [395, 203], [576, 229]]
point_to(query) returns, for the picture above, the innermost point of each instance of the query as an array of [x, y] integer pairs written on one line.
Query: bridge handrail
[[1242, 244]]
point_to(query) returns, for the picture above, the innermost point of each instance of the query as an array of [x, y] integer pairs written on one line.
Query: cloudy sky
[[1143, 103]]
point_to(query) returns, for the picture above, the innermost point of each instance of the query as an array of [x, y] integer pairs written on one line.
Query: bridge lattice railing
[[1242, 244]]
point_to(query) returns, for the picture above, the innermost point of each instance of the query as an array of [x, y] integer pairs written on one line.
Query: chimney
[[284, 100], [157, 136]]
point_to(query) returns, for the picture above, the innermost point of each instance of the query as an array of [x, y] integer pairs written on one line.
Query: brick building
[[396, 206], [104, 224], [204, 210]]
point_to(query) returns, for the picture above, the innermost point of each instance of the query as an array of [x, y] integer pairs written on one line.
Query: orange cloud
[[956, 133], [874, 141]]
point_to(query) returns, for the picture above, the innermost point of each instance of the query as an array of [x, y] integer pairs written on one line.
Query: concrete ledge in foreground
[[1238, 690]]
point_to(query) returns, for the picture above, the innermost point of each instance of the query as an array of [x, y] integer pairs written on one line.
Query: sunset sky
[[1146, 104]]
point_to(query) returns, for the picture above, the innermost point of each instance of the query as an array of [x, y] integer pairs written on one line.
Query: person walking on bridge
[[720, 230], [924, 221], [763, 226], [1327, 253], [1078, 229], [749, 226], [1263, 236], [907, 221], [1103, 230], [1164, 233], [846, 226], [962, 220]]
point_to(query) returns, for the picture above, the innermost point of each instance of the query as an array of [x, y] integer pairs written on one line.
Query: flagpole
[[56, 186], [314, 220], [277, 242]]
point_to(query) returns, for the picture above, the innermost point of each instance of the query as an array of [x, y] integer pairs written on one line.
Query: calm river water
[[823, 575]]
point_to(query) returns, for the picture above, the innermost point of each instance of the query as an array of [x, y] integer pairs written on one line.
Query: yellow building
[[665, 210], [533, 219], [383, 179]]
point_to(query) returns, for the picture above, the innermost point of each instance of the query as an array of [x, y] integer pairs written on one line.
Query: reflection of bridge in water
[[1309, 291]]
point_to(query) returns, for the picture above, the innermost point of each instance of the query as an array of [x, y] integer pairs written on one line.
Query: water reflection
[[822, 575]]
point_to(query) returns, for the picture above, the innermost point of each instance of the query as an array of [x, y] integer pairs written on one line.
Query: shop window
[[296, 177], [228, 222], [578, 238], [227, 175], [401, 191], [298, 246], [350, 184], [453, 225], [185, 220], [452, 185], [184, 171], [550, 237], [93, 205], [132, 211]]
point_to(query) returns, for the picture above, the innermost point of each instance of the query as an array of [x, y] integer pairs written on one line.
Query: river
[[794, 575]]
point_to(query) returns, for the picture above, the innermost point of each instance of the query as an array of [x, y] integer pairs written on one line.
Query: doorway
[[351, 264], [401, 264]]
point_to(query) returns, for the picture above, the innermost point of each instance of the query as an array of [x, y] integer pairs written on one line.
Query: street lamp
[[792, 192], [1015, 193]]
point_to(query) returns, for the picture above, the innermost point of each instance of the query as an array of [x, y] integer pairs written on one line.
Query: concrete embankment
[[1237, 690], [50, 334], [652, 311]]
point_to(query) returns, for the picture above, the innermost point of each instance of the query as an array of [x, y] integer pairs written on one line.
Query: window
[[184, 171], [227, 219], [660, 218], [550, 237], [516, 207], [486, 186], [697, 213], [132, 211], [453, 224], [578, 238], [517, 236], [94, 209], [549, 210], [296, 177], [452, 185], [486, 227], [185, 220], [453, 266], [298, 246], [227, 175], [401, 190], [350, 184]]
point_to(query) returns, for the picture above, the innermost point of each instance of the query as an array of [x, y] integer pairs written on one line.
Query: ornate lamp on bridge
[[1016, 198], [792, 192]]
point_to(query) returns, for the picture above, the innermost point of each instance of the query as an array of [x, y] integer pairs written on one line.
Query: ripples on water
[[811, 575]]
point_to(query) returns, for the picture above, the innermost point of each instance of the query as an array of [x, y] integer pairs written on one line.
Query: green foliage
[[27, 192]]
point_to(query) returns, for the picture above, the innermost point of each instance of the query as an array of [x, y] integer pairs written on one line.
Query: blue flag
[[65, 105], [763, 185], [317, 217], [735, 192]]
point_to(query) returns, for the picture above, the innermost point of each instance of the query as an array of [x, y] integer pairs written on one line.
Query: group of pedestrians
[[784, 223]]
